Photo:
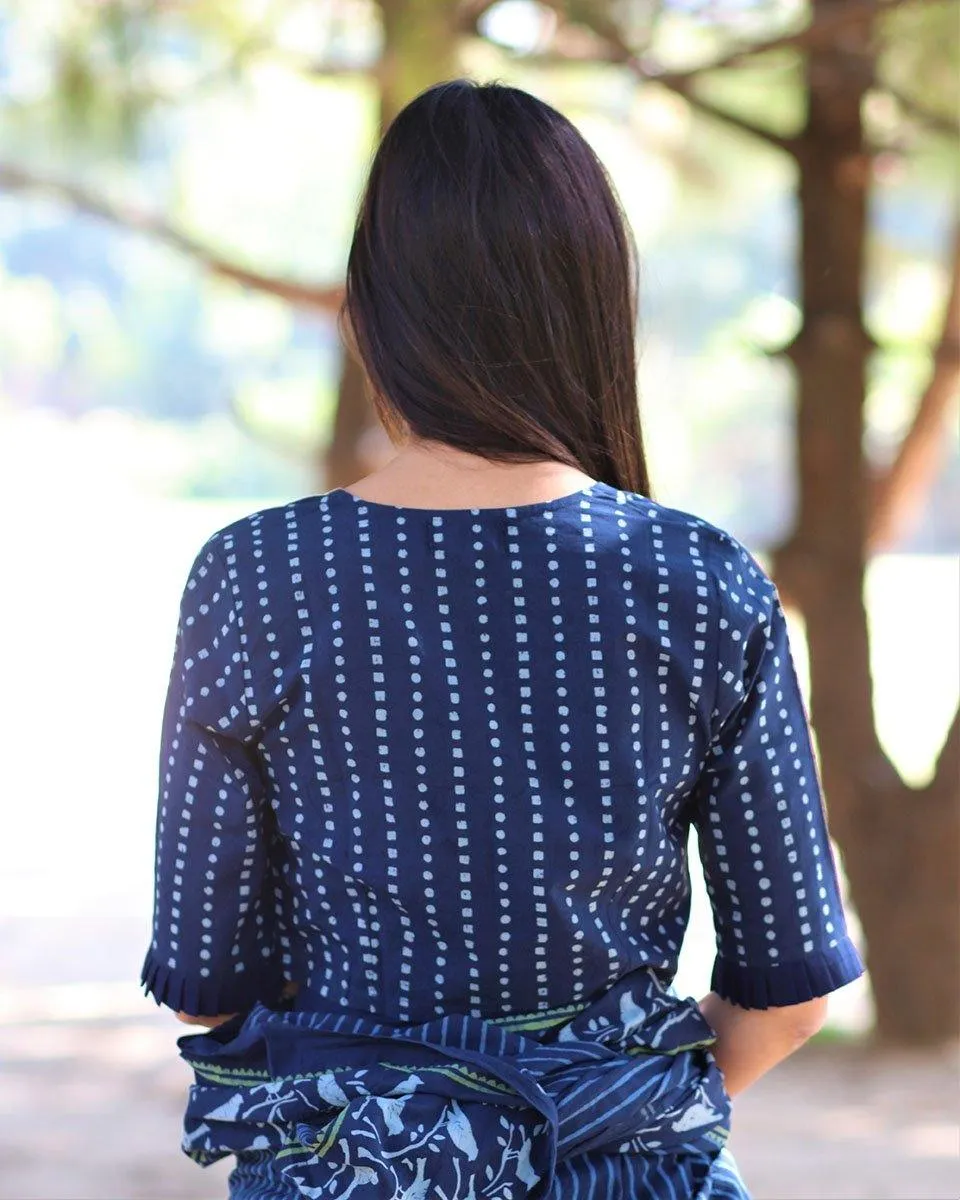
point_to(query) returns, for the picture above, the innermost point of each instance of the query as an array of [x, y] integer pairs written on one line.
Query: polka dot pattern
[[425, 761]]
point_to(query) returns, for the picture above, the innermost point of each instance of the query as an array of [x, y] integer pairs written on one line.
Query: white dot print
[[431, 761]]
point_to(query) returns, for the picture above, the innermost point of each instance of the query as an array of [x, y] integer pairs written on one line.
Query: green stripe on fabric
[[673, 1051], [538, 1020], [459, 1074]]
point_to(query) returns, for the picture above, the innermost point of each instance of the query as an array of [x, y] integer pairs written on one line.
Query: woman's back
[[469, 745]]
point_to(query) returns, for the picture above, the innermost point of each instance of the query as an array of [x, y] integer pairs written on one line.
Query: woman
[[434, 743]]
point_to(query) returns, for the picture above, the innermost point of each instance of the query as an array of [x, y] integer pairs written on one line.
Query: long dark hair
[[491, 286]]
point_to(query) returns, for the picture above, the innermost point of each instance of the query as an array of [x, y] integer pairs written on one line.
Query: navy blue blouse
[[446, 761]]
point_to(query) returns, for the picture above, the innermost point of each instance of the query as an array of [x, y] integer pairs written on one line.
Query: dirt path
[[90, 1110]]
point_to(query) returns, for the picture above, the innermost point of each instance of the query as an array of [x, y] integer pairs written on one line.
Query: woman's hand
[[207, 1022], [289, 989], [751, 1041]]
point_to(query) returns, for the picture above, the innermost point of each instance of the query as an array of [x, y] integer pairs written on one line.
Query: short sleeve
[[781, 932], [213, 948]]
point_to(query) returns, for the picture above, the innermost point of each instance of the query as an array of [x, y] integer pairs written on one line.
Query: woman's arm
[[782, 939], [206, 1022], [214, 948], [751, 1041]]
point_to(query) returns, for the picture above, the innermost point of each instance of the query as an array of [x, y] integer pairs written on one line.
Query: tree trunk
[[345, 460], [907, 893], [901, 848], [420, 48]]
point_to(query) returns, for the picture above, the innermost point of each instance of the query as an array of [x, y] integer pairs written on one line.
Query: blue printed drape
[[327, 1104]]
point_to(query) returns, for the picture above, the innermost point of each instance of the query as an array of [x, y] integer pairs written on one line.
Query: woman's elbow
[[806, 1019]]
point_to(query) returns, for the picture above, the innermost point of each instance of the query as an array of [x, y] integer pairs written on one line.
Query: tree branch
[[901, 491], [708, 108], [824, 27], [325, 300], [620, 53]]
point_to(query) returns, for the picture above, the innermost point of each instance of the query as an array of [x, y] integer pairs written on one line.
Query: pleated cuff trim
[[206, 997], [787, 983]]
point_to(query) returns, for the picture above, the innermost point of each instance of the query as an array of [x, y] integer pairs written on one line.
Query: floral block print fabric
[[620, 1098]]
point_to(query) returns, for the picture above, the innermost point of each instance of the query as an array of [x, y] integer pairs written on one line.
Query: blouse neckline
[[570, 498]]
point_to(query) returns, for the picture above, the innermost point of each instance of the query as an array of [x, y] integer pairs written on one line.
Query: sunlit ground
[[93, 569]]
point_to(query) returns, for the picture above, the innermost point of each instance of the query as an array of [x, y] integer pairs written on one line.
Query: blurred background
[[178, 182]]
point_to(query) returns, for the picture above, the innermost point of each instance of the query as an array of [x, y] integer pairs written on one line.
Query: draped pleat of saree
[[620, 1097]]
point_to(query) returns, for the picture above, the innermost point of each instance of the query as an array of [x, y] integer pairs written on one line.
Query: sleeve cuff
[[787, 983], [207, 997]]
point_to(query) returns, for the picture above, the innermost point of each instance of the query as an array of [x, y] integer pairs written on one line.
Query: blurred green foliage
[[248, 124]]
